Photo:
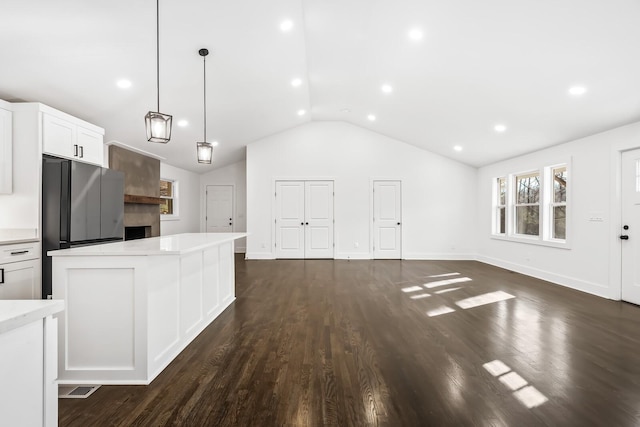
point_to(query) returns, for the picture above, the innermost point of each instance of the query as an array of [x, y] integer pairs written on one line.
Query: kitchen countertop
[[16, 313], [176, 244], [10, 236]]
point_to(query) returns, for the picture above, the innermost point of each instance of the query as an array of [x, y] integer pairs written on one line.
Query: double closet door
[[304, 219]]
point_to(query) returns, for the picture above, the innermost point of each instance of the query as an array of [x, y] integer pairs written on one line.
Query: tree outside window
[[501, 206], [559, 203], [527, 206], [167, 196]]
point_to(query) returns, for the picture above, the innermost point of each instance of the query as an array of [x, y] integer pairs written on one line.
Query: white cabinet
[[63, 138], [6, 167], [20, 271]]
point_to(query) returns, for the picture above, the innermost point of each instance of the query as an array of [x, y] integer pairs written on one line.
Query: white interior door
[[219, 216], [318, 236], [387, 220], [630, 237], [290, 219]]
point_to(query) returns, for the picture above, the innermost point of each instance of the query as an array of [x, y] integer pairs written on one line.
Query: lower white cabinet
[[20, 271], [20, 280]]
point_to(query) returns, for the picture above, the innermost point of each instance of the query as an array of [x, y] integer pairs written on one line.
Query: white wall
[[586, 265], [187, 220], [438, 194], [236, 175]]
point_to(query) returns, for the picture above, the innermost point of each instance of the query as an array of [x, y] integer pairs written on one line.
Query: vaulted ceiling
[[477, 65]]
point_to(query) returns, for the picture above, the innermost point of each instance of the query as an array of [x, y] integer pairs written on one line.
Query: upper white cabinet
[[6, 167], [64, 138]]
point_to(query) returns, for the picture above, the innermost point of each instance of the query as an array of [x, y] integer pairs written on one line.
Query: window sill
[[560, 244], [169, 218]]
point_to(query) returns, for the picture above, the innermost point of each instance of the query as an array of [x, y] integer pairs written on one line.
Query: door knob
[[626, 227], [306, 223], [302, 223], [624, 237], [398, 223], [230, 223]]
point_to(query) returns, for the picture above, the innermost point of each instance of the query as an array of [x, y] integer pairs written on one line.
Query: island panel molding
[[133, 306]]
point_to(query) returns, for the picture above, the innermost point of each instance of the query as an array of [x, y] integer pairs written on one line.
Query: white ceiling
[[479, 63]]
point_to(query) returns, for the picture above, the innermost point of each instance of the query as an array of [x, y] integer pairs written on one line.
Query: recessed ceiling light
[[296, 82], [371, 118], [286, 25], [500, 128], [345, 110], [577, 90], [415, 34], [386, 88], [124, 84], [214, 143], [457, 147], [183, 123], [302, 112]]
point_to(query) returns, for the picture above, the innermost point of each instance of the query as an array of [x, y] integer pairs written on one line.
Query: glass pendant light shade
[[205, 152], [158, 127]]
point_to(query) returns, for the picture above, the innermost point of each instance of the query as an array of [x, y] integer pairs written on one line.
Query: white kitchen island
[[132, 307]]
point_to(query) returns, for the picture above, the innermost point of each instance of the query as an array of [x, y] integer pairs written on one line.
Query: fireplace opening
[[138, 232]]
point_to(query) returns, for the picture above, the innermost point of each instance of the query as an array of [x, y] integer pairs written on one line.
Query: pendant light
[[158, 124], [204, 149]]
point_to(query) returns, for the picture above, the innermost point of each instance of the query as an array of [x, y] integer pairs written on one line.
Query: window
[[501, 206], [532, 206], [168, 193], [527, 206], [559, 203]]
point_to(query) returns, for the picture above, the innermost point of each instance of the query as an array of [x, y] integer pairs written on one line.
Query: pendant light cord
[[204, 63], [158, 51]]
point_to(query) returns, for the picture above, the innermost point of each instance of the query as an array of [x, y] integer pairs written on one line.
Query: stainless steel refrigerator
[[82, 205]]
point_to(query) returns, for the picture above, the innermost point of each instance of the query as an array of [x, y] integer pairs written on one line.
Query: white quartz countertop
[[17, 235], [176, 244], [16, 313]]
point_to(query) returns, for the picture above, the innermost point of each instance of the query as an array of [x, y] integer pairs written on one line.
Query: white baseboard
[[558, 279], [434, 256], [354, 255], [259, 255]]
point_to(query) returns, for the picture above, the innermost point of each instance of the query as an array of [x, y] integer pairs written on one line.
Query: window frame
[[515, 205], [498, 206], [545, 205], [175, 197], [550, 172]]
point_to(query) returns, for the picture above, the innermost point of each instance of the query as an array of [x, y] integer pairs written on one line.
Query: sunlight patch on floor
[[444, 291], [420, 296], [443, 309], [444, 275], [526, 394], [412, 289], [446, 282], [488, 298]]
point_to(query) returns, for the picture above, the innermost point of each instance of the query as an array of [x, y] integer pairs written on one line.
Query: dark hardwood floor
[[311, 343]]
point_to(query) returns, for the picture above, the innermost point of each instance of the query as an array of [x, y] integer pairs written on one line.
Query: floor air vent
[[76, 391]]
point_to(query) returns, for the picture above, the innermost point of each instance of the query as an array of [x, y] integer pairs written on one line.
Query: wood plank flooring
[[340, 343]]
